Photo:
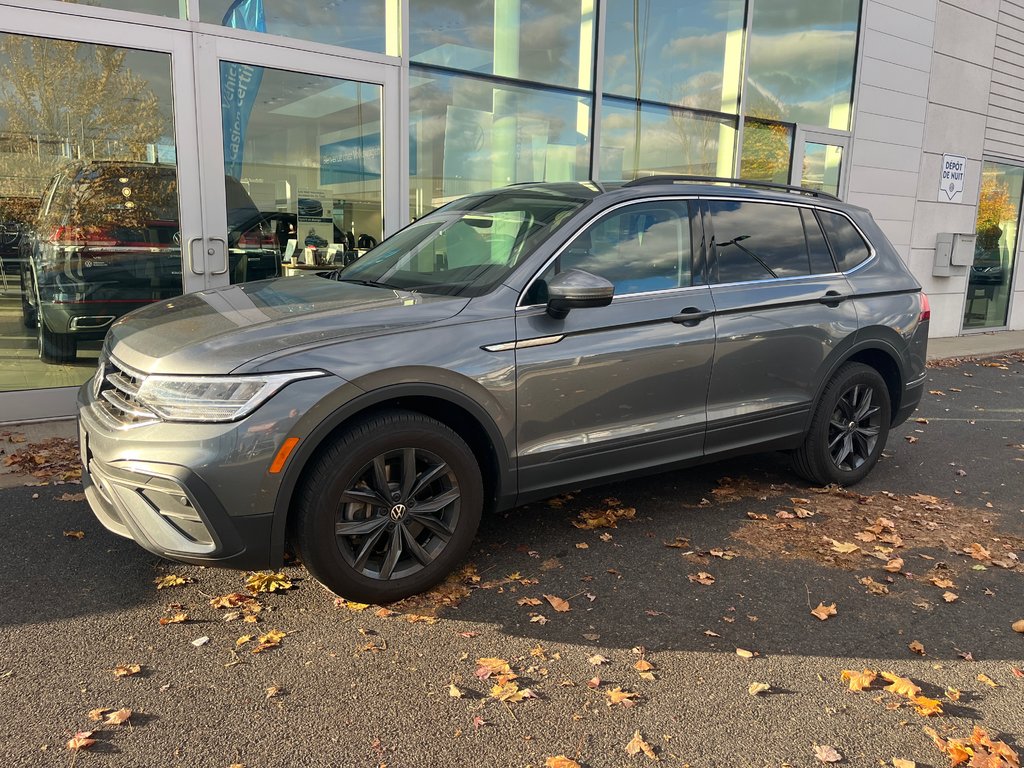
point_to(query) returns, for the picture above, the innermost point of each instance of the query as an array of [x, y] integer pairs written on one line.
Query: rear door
[[619, 388], [781, 308]]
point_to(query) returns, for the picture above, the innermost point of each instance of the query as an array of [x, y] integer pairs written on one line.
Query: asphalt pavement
[[724, 558]]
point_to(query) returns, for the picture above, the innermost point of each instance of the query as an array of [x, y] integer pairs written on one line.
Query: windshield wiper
[[371, 283]]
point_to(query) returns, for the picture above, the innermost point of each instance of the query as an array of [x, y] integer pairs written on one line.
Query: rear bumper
[[912, 393]]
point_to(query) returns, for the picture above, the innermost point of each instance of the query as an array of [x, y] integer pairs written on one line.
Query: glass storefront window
[[991, 276], [545, 41], [767, 151], [656, 139], [172, 8], [88, 198], [302, 168], [822, 164], [469, 134], [366, 25], [801, 61], [684, 52]]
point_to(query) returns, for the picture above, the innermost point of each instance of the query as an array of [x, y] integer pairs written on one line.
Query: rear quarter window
[[848, 247]]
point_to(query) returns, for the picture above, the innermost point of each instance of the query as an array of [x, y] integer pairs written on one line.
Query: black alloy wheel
[[848, 429], [854, 427], [389, 508], [399, 513]]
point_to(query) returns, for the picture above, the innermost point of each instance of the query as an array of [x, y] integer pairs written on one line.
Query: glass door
[[294, 155], [95, 206], [818, 161]]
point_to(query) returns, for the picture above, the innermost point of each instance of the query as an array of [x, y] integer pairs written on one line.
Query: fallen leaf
[[916, 647], [97, 714], [637, 745], [597, 659], [81, 740], [927, 707], [488, 666], [677, 543], [844, 547], [709, 633], [271, 639], [827, 754], [894, 566], [177, 618], [127, 670], [901, 686], [950, 597], [743, 653], [242, 640], [75, 535], [858, 681], [557, 603], [267, 581], [643, 666], [757, 688], [118, 717], [511, 692], [528, 601], [618, 696], [170, 580], [199, 641], [900, 763], [874, 587], [272, 691], [942, 583], [703, 577], [1018, 626], [983, 678], [823, 611], [560, 761], [454, 691], [953, 694]]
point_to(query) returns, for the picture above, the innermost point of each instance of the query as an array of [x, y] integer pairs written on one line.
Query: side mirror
[[576, 289]]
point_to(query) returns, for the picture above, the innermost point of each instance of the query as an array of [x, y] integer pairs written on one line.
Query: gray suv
[[507, 346]]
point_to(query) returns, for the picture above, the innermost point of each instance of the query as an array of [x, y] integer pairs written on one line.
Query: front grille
[[116, 388]]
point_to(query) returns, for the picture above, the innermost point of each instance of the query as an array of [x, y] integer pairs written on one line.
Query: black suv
[[106, 241], [509, 345]]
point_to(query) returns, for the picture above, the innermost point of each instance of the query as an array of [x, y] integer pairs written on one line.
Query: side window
[[817, 248], [757, 241], [641, 248], [847, 245]]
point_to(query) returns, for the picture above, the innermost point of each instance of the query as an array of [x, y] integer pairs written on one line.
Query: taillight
[[926, 309]]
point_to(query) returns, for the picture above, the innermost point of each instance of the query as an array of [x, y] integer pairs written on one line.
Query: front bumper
[[194, 493]]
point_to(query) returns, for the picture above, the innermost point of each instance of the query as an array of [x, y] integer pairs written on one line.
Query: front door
[[618, 388], [295, 152]]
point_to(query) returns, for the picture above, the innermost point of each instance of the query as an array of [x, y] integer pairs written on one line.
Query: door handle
[[832, 299], [224, 250], [191, 256], [691, 316]]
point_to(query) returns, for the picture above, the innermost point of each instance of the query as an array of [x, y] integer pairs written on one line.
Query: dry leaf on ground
[[858, 681], [637, 745], [560, 761], [557, 603], [267, 581], [827, 754], [823, 611], [703, 577]]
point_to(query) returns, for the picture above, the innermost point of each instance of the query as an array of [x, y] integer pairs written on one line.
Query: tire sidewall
[[317, 540]]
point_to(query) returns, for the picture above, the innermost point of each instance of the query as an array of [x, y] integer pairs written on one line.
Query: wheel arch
[[875, 351], [450, 407]]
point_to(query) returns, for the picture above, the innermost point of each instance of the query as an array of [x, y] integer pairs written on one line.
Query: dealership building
[[166, 146]]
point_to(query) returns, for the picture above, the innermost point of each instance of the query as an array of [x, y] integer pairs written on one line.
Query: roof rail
[[668, 178]]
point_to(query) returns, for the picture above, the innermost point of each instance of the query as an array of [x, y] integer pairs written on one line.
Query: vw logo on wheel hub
[[398, 512]]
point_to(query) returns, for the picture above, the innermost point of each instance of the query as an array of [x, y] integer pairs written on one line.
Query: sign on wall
[[951, 180]]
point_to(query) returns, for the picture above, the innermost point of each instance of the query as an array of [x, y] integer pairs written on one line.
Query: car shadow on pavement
[[687, 573], [48, 574]]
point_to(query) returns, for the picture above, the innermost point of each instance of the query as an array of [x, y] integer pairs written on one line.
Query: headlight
[[212, 398]]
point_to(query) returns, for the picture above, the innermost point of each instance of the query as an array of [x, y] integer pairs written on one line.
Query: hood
[[216, 331]]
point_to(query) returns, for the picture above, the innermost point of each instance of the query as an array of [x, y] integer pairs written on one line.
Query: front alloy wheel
[[389, 508], [854, 427], [399, 514]]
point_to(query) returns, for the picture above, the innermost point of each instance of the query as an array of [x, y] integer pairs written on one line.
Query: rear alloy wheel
[[849, 428], [390, 508]]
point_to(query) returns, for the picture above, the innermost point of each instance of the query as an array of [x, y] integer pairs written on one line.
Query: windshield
[[466, 248]]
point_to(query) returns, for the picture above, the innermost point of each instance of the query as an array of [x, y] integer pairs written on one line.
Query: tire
[[848, 430], [55, 347], [29, 313], [405, 539]]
